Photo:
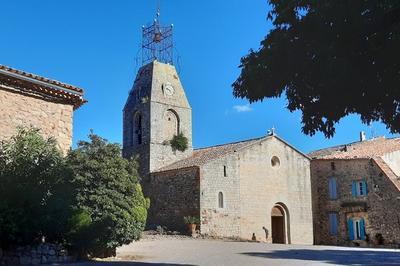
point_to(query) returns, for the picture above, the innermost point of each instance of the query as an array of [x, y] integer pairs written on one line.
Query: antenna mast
[[157, 41]]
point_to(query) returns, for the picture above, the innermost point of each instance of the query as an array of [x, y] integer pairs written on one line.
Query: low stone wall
[[41, 254]]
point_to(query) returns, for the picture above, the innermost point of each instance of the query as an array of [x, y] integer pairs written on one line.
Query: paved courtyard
[[186, 251]]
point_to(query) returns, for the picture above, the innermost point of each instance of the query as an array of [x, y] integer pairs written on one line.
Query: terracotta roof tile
[[32, 84], [203, 155], [362, 149], [39, 78]]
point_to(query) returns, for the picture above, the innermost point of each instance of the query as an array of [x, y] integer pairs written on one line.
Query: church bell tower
[[157, 107]]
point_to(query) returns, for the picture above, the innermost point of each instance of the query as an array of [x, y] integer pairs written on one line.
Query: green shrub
[[179, 142], [191, 220], [35, 191], [107, 188]]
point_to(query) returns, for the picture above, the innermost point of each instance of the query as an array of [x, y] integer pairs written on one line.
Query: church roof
[[32, 84], [204, 155], [359, 150]]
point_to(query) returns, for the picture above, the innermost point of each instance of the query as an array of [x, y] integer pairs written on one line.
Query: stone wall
[[215, 221], [173, 195], [252, 188], [54, 119], [41, 254], [380, 208], [262, 186], [148, 98]]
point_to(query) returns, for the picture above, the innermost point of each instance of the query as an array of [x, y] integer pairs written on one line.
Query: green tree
[[331, 59], [35, 191], [111, 208]]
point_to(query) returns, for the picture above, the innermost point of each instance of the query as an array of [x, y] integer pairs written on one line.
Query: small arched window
[[138, 128], [220, 200], [275, 162]]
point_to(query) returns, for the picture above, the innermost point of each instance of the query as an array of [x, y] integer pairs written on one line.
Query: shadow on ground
[[343, 257], [126, 263]]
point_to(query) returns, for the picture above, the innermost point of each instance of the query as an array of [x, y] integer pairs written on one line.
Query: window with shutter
[[359, 188], [332, 188], [333, 223], [356, 227]]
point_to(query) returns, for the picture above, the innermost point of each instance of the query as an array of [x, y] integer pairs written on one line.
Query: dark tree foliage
[[111, 209], [331, 59], [35, 191]]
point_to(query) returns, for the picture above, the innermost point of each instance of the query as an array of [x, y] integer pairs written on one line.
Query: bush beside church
[[89, 202]]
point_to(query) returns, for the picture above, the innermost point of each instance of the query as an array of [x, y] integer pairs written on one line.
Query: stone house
[[356, 193], [30, 100], [259, 187]]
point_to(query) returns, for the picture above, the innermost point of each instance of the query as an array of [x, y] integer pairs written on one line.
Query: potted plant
[[191, 223], [379, 240]]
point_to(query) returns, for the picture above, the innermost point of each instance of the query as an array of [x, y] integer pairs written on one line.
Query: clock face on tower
[[168, 89]]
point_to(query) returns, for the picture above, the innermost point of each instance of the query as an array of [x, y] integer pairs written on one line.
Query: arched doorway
[[279, 225]]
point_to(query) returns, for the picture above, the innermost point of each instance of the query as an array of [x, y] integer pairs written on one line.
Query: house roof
[[32, 84], [359, 150], [387, 171], [204, 155]]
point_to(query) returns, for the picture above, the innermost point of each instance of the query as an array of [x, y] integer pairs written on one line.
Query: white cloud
[[242, 108]]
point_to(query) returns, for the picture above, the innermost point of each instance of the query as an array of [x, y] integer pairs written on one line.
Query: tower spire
[[157, 41]]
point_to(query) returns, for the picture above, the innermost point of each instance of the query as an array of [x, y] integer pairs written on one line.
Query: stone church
[[254, 188]]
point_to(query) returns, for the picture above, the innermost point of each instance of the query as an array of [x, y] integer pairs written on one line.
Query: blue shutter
[[335, 216], [334, 192], [330, 224], [354, 189], [350, 228], [365, 188], [332, 188], [333, 223], [362, 229]]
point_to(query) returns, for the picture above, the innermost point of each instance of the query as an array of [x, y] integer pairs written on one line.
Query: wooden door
[[278, 229]]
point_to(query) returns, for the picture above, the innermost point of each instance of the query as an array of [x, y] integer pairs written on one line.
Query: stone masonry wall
[[173, 195], [251, 189], [54, 119], [215, 221], [380, 208], [35, 255], [149, 99], [262, 186], [160, 104]]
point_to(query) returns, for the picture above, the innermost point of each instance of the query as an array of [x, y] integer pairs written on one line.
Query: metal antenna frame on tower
[[157, 42]]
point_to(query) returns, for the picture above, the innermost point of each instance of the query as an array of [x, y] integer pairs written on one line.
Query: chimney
[[362, 136]]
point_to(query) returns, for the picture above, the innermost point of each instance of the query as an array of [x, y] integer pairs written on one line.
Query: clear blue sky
[[93, 44]]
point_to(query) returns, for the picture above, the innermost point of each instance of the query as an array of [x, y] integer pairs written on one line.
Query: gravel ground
[[182, 250]]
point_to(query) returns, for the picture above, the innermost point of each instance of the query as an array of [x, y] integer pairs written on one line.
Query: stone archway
[[280, 224]]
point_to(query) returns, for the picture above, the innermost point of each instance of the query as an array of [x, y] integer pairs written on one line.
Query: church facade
[[254, 188]]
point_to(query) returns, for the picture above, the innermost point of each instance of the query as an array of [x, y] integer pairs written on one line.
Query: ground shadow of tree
[[125, 263], [342, 257]]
